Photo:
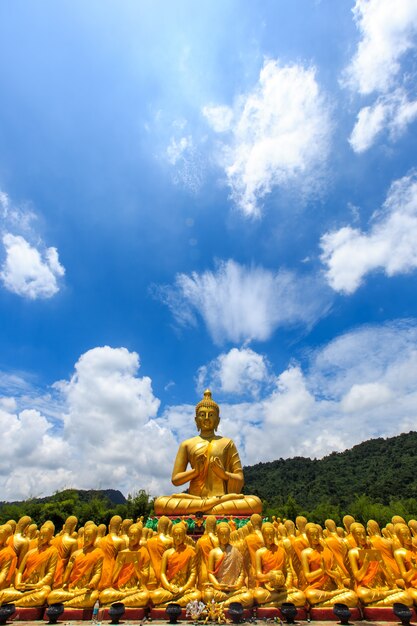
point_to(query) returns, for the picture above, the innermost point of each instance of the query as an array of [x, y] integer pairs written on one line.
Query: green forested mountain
[[369, 480]]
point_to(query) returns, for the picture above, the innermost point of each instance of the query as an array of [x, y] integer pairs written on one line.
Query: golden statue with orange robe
[[215, 476]]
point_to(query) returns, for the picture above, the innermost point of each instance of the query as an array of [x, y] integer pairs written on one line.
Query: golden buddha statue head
[[178, 534], [256, 521], [23, 524], [330, 525], [223, 533], [135, 535], [90, 535], [46, 533], [207, 410], [359, 534], [403, 534], [313, 534]]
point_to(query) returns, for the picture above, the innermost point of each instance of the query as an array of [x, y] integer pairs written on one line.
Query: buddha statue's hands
[[218, 468]]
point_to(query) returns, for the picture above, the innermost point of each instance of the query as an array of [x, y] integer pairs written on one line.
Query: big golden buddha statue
[[215, 475]]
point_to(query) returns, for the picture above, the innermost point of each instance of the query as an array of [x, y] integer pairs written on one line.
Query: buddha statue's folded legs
[[383, 597], [228, 504], [321, 597], [137, 598], [76, 598], [162, 597], [265, 597], [244, 596], [35, 597]]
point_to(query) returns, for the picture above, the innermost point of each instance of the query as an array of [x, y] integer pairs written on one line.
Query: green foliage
[[374, 480]]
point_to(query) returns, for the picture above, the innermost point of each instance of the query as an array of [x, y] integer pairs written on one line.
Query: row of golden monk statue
[[263, 563]]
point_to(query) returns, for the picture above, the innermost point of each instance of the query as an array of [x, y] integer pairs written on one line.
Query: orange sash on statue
[[35, 559], [8, 555], [254, 543], [370, 574], [83, 564], [299, 544], [273, 560], [379, 543], [178, 561], [339, 551], [205, 545], [219, 564], [110, 553], [156, 548], [59, 572], [125, 574], [201, 479], [314, 559]]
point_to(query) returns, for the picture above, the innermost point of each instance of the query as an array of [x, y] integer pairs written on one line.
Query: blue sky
[[215, 194]]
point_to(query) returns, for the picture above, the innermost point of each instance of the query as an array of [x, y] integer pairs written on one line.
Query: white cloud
[[107, 434], [29, 272], [390, 244], [387, 32], [239, 303], [279, 135], [387, 35], [176, 149], [361, 385], [365, 396], [219, 117], [391, 113], [239, 371]]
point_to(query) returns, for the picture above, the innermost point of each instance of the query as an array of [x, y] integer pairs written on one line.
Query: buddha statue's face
[[135, 535], [223, 534], [268, 535], [90, 536], [45, 534], [404, 536], [178, 535], [207, 419], [359, 536], [313, 536]]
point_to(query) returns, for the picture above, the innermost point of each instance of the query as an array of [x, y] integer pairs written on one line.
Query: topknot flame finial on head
[[207, 401]]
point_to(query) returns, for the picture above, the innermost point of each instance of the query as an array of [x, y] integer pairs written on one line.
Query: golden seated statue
[[36, 573], [273, 573], [226, 573], [131, 573], [325, 580], [178, 573], [215, 477]]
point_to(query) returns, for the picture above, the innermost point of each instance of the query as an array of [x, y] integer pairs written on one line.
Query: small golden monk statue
[[111, 545], [204, 545], [226, 573], [130, 574], [178, 573], [66, 544], [156, 546], [406, 558], [215, 475], [254, 540], [273, 573], [35, 574], [375, 585], [326, 583], [8, 558], [82, 575], [18, 541]]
